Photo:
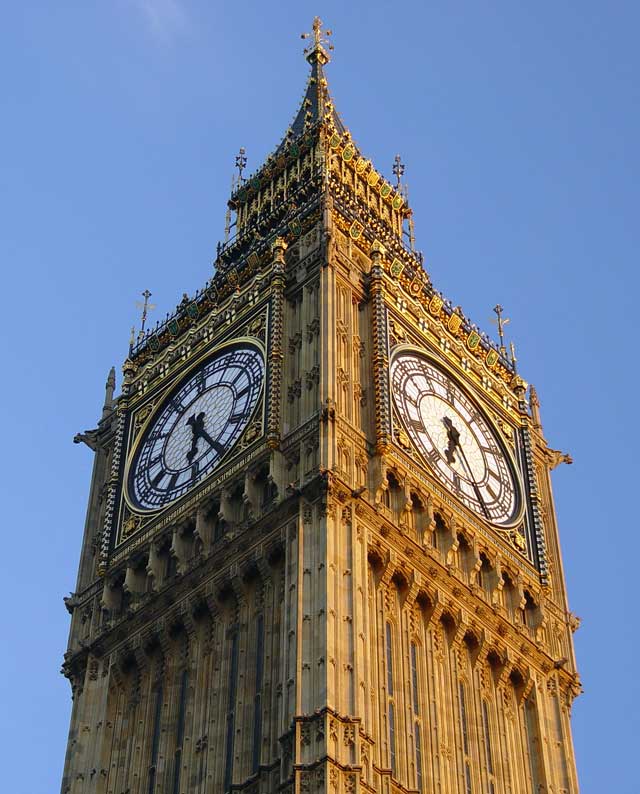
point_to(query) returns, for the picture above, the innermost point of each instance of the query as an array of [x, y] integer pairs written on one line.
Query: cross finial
[[241, 163], [146, 308], [320, 37], [398, 169], [501, 322]]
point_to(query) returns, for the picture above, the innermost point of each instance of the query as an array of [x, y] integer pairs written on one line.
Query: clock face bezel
[[449, 373], [169, 393]]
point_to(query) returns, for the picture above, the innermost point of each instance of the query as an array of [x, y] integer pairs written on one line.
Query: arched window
[[391, 703]]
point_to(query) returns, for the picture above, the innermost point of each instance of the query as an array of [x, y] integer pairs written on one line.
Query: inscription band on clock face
[[455, 438], [196, 426]]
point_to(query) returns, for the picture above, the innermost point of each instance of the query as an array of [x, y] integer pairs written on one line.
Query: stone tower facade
[[321, 551]]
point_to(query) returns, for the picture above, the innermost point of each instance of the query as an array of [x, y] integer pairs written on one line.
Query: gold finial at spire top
[[501, 322], [320, 37], [514, 360]]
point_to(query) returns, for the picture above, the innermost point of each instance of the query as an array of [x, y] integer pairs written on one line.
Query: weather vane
[[501, 322], [319, 37], [146, 308], [241, 163], [398, 169]]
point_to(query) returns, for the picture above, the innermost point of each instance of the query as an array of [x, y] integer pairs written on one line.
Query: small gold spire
[[146, 308], [514, 360], [241, 164], [534, 402], [398, 171]]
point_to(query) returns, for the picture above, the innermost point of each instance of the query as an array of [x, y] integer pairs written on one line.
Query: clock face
[[456, 439], [196, 426]]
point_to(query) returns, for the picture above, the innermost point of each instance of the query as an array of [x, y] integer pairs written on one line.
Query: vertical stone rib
[[276, 354], [380, 356]]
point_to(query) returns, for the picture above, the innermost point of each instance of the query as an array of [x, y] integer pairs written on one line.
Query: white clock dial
[[455, 438], [196, 426]]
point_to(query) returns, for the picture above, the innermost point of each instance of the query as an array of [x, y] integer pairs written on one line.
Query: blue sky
[[519, 127]]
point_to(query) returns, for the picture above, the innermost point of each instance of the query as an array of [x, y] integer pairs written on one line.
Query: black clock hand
[[219, 448], [453, 436], [197, 426], [473, 483]]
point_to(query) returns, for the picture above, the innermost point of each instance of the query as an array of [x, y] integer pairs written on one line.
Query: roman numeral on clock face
[[433, 456]]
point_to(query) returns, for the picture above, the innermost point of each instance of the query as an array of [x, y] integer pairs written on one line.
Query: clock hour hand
[[197, 426], [453, 437]]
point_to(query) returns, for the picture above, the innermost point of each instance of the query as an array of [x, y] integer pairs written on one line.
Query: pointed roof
[[279, 200], [316, 104], [317, 108]]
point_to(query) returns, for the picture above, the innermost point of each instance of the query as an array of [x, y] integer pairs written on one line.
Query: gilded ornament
[[455, 321], [396, 268], [253, 260], [131, 525], [154, 343], [403, 439], [416, 286], [257, 326], [491, 359], [295, 227], [334, 141], [519, 542], [398, 331], [142, 416], [398, 201], [373, 178], [473, 340], [435, 305], [348, 152], [385, 189], [355, 230], [251, 433], [361, 164]]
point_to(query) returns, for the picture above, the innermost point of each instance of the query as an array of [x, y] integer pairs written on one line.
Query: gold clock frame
[[179, 377], [473, 397]]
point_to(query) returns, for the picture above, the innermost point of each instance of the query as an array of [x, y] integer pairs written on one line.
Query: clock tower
[[321, 551]]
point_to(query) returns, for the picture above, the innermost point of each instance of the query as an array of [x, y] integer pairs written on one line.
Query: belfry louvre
[[321, 551]]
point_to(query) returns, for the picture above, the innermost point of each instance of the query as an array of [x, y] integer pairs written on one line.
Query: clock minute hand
[[474, 484], [453, 436], [219, 448]]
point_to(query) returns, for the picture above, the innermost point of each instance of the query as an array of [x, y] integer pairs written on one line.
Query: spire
[[317, 102], [534, 402], [109, 388]]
